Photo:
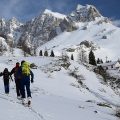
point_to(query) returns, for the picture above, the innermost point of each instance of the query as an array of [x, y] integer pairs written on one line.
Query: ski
[[29, 103], [25, 104]]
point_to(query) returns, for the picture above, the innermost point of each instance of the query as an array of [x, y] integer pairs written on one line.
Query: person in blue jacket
[[25, 83]]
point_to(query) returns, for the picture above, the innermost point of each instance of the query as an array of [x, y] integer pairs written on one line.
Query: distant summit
[[84, 13]]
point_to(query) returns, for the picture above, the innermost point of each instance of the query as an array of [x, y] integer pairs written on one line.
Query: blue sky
[[26, 9]]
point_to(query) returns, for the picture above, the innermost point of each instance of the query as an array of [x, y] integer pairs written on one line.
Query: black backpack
[[6, 74]]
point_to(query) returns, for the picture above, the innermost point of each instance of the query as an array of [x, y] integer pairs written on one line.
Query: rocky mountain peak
[[84, 13], [15, 22], [46, 11]]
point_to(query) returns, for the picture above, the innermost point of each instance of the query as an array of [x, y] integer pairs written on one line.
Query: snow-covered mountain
[[93, 29], [104, 37], [56, 31], [44, 28], [36, 31]]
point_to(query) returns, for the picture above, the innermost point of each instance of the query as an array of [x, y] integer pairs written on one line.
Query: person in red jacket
[[17, 79]]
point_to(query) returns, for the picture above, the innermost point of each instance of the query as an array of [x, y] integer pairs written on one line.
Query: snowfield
[[58, 96]]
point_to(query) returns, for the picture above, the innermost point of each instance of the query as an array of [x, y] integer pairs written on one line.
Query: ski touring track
[[31, 109]]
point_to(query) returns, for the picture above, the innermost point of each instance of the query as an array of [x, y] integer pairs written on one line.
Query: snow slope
[[56, 95], [95, 32]]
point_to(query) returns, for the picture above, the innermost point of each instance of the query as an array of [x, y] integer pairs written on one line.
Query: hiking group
[[22, 77]]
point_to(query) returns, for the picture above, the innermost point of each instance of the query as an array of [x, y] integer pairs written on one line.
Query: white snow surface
[[55, 14], [3, 43], [57, 95]]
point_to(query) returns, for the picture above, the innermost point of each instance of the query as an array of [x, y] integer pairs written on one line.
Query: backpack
[[6, 74], [26, 68]]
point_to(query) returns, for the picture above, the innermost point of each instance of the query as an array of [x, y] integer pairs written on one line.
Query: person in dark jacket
[[17, 79], [25, 83], [6, 78]]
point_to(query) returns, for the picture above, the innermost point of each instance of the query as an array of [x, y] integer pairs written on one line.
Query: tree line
[[81, 56], [45, 53]]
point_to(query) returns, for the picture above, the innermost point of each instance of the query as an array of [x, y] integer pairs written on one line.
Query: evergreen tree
[[46, 53], [72, 58], [92, 58], [40, 54], [98, 61], [101, 61], [52, 54]]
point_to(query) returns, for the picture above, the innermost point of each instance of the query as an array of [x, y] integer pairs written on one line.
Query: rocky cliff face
[[84, 14], [44, 28], [10, 30]]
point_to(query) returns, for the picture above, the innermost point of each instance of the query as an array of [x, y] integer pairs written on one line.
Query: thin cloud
[[61, 5], [27, 9], [116, 23], [21, 9], [9, 8]]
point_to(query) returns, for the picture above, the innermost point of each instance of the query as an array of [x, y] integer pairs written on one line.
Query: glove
[[11, 78], [32, 80]]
